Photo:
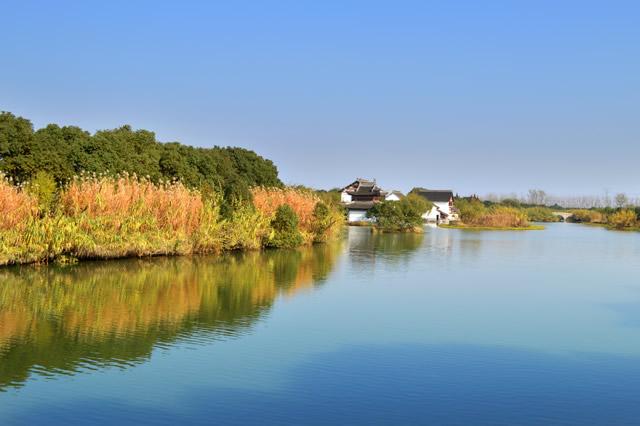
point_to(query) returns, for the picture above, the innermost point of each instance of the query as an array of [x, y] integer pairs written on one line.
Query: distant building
[[394, 196], [359, 197], [443, 210]]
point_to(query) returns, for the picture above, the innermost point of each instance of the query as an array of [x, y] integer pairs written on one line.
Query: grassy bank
[[620, 219], [114, 217], [474, 214], [492, 228], [411, 230]]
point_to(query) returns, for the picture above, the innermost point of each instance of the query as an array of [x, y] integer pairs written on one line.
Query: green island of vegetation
[[621, 218], [404, 215], [508, 215]]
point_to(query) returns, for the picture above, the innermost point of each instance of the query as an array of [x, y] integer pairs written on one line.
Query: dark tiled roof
[[360, 205], [436, 195], [367, 188], [363, 187]]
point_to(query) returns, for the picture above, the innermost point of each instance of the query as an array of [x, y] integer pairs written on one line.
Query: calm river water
[[449, 327]]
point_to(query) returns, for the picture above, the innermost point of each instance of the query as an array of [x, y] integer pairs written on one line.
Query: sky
[[479, 97]]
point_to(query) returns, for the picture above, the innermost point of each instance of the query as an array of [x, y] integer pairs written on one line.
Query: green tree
[[16, 134], [43, 187], [403, 215], [63, 152], [285, 229]]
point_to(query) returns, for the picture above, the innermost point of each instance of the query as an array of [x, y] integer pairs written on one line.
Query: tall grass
[[317, 220], [17, 207], [105, 217], [170, 206], [303, 202], [475, 213]]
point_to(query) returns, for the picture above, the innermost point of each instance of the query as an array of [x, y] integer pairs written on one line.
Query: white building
[[394, 196], [443, 210], [357, 211], [359, 197]]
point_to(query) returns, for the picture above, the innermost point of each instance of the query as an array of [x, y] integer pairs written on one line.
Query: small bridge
[[563, 215]]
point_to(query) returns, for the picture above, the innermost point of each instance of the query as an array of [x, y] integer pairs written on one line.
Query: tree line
[[67, 151], [538, 197]]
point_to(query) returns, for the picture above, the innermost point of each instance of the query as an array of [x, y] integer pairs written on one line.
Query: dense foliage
[[511, 213], [108, 217], [541, 214], [65, 152], [400, 216], [615, 218], [285, 229], [474, 212]]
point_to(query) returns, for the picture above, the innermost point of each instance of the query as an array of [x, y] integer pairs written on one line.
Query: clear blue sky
[[496, 96]]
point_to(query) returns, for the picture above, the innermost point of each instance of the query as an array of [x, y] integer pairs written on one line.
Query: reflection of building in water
[[114, 313], [365, 247], [440, 239], [360, 244]]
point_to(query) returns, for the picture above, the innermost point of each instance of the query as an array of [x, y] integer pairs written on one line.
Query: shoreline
[[493, 228]]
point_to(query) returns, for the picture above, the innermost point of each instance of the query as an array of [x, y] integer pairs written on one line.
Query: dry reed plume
[[267, 201], [16, 206], [173, 206]]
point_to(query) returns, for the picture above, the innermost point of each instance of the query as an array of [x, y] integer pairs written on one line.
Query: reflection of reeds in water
[[101, 312]]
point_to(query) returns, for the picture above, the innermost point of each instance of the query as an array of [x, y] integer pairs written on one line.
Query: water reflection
[[59, 320], [365, 246]]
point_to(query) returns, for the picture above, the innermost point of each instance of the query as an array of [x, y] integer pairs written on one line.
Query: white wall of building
[[433, 214], [344, 197], [392, 197], [358, 216]]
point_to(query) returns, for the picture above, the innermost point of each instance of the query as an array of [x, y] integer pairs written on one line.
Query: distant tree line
[[66, 151], [537, 197]]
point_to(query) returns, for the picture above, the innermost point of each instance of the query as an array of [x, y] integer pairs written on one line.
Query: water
[[449, 327]]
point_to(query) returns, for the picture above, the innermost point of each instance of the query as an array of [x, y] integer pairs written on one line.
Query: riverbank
[[411, 230], [109, 218], [493, 228]]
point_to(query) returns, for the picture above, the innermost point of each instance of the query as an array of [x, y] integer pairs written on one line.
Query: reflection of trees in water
[[441, 240], [114, 313], [365, 246]]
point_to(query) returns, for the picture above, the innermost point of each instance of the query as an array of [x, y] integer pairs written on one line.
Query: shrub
[[322, 220], [247, 228], [471, 210], [402, 215], [285, 229], [541, 214], [623, 219], [43, 188], [587, 216]]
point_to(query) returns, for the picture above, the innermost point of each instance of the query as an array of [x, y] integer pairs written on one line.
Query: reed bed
[[502, 217], [17, 207], [303, 203], [100, 217], [170, 205], [474, 213]]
